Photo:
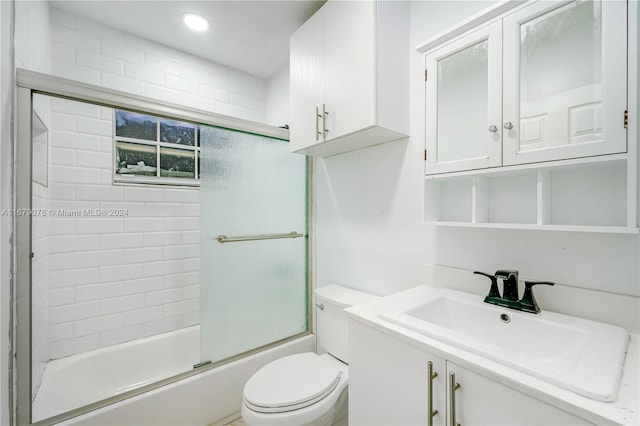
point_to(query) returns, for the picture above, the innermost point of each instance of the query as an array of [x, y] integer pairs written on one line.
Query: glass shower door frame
[[28, 84]]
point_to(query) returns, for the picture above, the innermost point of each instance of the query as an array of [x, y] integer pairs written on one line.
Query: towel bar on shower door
[[224, 239]]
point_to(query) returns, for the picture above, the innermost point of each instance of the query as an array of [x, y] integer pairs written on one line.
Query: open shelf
[[522, 226], [592, 196]]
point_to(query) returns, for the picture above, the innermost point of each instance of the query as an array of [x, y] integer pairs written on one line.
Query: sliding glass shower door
[[253, 273], [112, 199]]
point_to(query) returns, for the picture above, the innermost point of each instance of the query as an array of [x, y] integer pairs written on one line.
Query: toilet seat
[[291, 383]]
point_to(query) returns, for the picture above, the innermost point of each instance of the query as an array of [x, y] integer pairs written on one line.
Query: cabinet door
[[564, 80], [463, 102], [388, 382], [481, 401], [306, 82], [349, 66]]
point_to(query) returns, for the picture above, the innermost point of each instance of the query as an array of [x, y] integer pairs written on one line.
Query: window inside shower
[[136, 282], [155, 150]]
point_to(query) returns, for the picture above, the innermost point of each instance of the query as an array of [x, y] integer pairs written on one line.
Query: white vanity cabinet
[[482, 401], [389, 383], [349, 77], [388, 380], [545, 82]]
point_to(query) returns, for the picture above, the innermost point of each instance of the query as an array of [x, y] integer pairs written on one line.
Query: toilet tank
[[331, 320]]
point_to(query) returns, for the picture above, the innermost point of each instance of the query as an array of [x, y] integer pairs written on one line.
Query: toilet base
[[341, 417]]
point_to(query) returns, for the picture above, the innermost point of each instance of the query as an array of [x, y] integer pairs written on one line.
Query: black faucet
[[509, 298], [509, 284]]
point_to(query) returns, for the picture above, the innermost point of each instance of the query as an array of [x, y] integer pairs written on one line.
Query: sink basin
[[580, 355]]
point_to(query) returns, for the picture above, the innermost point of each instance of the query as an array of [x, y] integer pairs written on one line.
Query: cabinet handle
[[453, 387], [324, 122], [317, 125], [493, 128], [508, 125], [431, 412]]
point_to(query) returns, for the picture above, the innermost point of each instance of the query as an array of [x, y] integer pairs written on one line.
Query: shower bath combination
[[117, 305]]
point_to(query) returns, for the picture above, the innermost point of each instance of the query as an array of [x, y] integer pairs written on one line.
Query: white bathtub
[[78, 380], [213, 395]]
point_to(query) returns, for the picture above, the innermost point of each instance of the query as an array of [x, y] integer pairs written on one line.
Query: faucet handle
[[493, 291], [528, 301]]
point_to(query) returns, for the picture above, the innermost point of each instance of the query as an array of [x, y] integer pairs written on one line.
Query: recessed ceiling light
[[195, 22]]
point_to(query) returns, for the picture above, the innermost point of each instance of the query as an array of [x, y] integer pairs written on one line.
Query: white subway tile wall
[[115, 279], [91, 52]]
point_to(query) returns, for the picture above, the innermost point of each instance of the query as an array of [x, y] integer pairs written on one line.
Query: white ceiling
[[250, 36]]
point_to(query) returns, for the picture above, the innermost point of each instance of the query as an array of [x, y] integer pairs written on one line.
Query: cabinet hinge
[[425, 75], [626, 119], [425, 155]]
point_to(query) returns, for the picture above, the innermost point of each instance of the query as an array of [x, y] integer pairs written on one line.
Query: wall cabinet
[[546, 82], [349, 77], [527, 118], [392, 382]]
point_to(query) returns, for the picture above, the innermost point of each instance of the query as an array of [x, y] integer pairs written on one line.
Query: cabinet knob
[[493, 128], [508, 125]]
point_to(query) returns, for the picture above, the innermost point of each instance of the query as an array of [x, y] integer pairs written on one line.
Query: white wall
[[278, 98], [370, 204], [6, 82], [32, 36], [93, 53], [33, 51]]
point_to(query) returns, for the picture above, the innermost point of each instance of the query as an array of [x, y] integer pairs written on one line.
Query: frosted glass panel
[[252, 292], [463, 98], [560, 77]]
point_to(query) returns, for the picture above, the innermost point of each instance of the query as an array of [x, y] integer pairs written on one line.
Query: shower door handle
[[224, 239]]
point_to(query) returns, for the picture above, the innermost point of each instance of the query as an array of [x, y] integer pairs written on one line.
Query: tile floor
[[236, 422]]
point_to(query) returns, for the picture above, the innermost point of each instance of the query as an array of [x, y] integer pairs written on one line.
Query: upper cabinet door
[[349, 66], [350, 63], [306, 68], [564, 81], [463, 102]]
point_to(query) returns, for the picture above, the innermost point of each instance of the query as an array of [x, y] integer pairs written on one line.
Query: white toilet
[[307, 389]]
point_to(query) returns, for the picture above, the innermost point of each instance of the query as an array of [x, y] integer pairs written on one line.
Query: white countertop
[[624, 410]]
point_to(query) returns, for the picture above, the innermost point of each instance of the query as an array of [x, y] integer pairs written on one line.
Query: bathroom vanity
[[400, 374]]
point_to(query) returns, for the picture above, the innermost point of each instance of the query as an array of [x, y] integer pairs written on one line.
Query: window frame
[[120, 178]]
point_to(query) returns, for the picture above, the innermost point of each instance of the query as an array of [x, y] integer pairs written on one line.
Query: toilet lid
[[290, 383]]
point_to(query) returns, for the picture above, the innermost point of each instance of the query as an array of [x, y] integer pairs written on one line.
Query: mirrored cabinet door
[[463, 102], [564, 92]]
